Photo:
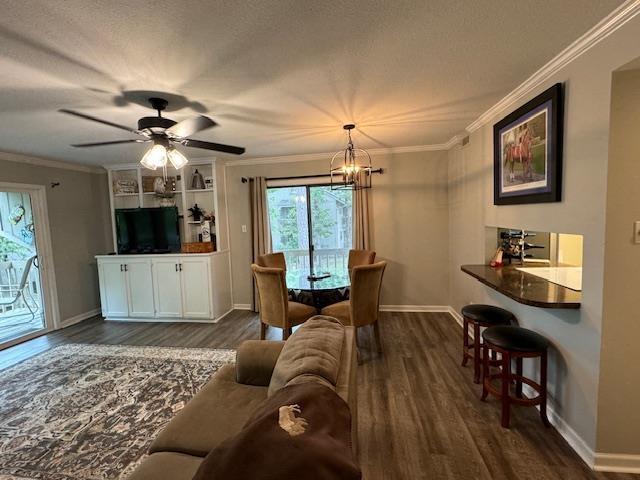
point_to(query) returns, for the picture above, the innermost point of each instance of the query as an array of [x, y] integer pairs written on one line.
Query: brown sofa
[[225, 403]]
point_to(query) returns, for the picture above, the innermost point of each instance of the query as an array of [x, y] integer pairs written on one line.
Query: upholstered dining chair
[[272, 260], [276, 309], [360, 257], [362, 308]]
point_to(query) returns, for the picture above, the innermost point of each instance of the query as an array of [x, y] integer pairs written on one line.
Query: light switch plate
[[636, 231], [244, 228]]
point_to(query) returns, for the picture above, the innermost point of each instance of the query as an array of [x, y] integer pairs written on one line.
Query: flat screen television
[[147, 230]]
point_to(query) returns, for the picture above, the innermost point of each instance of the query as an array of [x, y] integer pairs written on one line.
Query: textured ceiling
[[280, 77]]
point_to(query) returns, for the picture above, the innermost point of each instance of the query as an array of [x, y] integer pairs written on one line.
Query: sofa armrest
[[255, 361]]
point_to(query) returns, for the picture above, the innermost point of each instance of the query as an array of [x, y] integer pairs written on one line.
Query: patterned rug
[[85, 412]]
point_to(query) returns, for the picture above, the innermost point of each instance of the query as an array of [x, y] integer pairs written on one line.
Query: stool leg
[[263, 331], [519, 376], [485, 371], [543, 388], [476, 353], [465, 341], [506, 381]]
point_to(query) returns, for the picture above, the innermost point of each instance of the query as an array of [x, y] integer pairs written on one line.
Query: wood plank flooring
[[419, 414]]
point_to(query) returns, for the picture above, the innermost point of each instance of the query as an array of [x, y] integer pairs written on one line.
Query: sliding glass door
[[313, 226], [21, 299]]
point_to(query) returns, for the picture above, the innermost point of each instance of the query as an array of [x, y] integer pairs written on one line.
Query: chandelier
[[350, 168]]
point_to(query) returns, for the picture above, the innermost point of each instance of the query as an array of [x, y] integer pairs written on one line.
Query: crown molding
[[592, 37], [309, 157], [45, 162]]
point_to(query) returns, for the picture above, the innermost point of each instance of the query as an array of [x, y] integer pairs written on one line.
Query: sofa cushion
[[314, 349], [167, 465], [255, 361], [217, 412]]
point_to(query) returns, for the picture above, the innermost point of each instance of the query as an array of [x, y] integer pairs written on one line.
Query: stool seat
[[516, 339], [488, 314]]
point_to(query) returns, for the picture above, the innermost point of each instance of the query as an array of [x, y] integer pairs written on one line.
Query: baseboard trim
[[224, 314], [242, 306], [79, 318], [160, 320], [414, 308], [616, 462]]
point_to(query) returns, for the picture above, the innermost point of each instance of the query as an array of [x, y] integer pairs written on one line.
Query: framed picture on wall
[[527, 151]]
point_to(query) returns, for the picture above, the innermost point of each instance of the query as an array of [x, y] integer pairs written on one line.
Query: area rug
[[85, 412]]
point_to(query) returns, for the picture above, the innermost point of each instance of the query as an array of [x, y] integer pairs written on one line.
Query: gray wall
[[619, 397], [80, 228], [576, 336], [410, 222]]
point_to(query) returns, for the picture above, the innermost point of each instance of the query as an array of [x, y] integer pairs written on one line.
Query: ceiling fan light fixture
[[177, 159], [155, 157]]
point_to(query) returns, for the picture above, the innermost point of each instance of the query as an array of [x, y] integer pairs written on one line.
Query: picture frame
[[527, 151]]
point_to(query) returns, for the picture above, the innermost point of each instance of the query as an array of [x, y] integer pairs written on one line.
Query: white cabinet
[[113, 289], [195, 294], [139, 287], [169, 287]]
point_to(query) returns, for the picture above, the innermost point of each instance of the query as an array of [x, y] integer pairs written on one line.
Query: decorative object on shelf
[[205, 231], [527, 151], [210, 217], [196, 213], [514, 245], [16, 215], [497, 261], [27, 233], [197, 181], [350, 168], [208, 182], [156, 184], [125, 186], [167, 200], [163, 133], [198, 247]]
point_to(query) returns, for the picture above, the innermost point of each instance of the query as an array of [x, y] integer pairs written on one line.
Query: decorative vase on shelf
[[197, 181]]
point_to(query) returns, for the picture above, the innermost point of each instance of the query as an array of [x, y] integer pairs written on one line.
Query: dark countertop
[[524, 287]]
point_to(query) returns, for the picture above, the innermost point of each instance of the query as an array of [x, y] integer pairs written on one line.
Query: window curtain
[[261, 232], [361, 230]]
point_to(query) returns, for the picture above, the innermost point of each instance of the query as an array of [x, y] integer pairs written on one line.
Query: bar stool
[[480, 316], [514, 343]]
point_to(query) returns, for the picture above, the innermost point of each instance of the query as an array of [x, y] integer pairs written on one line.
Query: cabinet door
[[140, 288], [196, 293], [167, 288], [114, 288]]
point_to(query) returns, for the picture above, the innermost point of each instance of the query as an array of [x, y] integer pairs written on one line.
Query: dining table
[[319, 290]]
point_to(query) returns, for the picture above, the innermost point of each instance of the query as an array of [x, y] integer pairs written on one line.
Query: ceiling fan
[[164, 133]]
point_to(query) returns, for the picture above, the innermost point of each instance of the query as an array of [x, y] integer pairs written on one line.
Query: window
[[297, 214]]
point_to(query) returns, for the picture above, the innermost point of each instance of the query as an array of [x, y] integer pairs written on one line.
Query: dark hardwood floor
[[419, 414]]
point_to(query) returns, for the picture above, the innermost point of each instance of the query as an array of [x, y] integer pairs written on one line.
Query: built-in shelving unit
[[131, 186]]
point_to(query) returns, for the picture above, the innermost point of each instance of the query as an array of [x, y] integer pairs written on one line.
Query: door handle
[[125, 267], [180, 267], [121, 269]]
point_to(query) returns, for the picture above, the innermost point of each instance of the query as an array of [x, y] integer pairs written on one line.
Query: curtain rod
[[245, 179]]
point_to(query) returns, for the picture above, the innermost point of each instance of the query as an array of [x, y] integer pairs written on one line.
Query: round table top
[[299, 281]]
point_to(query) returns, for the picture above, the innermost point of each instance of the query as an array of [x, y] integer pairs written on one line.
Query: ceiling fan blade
[[218, 147], [115, 142], [190, 126], [104, 122]]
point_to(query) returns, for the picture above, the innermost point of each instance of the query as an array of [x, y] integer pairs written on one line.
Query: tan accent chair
[[272, 260], [362, 308], [360, 257], [276, 309]]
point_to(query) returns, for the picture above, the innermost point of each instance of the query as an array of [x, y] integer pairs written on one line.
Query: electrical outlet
[[244, 229], [636, 231]]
